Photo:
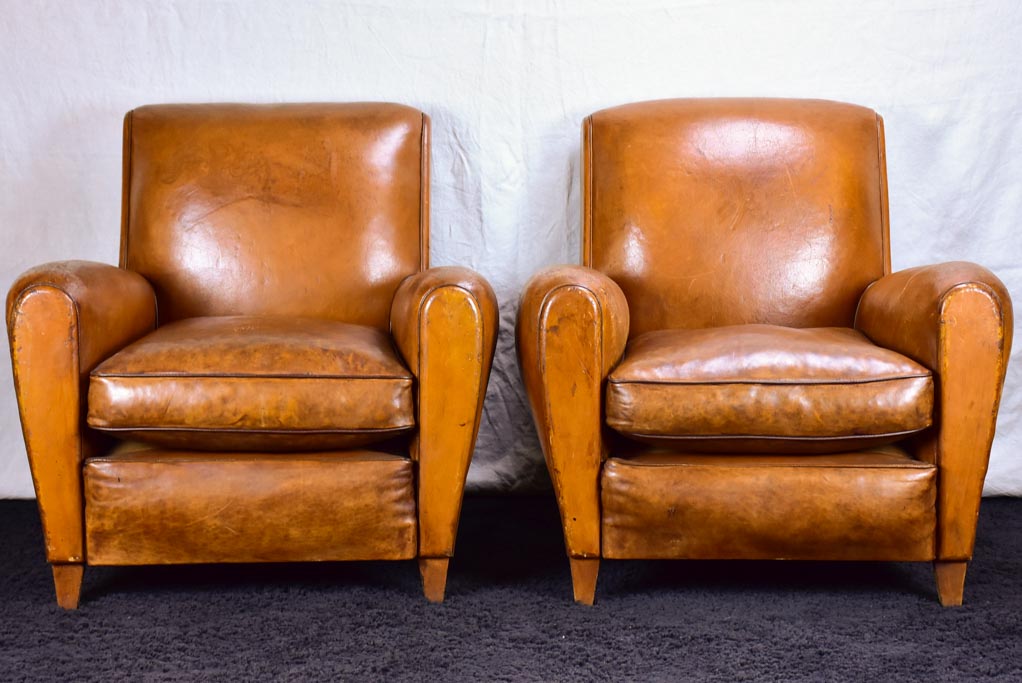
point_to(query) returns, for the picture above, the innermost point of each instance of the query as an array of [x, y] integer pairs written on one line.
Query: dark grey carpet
[[509, 615]]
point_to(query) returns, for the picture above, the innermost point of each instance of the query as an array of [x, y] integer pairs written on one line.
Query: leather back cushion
[[732, 211], [307, 210]]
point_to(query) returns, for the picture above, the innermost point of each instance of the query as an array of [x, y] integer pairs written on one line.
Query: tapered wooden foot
[[583, 578], [950, 582], [67, 579], [434, 577]]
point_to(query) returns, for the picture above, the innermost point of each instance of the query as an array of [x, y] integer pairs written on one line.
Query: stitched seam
[[770, 437], [202, 375], [884, 228], [253, 430], [770, 383]]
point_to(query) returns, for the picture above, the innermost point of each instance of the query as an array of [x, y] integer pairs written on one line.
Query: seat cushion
[[254, 383], [766, 389]]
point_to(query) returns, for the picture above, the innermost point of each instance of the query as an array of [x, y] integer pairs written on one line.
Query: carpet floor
[[509, 615]]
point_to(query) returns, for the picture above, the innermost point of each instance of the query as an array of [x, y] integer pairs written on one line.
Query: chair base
[[584, 571], [67, 581], [950, 582], [434, 577]]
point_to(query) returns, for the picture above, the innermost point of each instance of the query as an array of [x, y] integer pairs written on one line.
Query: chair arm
[[572, 330], [955, 318], [63, 319], [444, 322], [905, 311]]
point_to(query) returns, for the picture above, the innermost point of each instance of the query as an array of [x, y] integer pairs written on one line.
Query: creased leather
[[255, 382], [872, 505], [714, 212], [311, 210], [151, 506], [768, 389]]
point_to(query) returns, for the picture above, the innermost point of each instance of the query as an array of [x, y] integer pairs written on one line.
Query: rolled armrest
[[904, 311], [112, 306], [421, 290], [955, 318], [63, 319], [444, 322], [572, 331]]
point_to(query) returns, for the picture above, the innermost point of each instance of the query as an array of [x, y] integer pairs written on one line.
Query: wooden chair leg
[[434, 577], [584, 571], [950, 582], [67, 579]]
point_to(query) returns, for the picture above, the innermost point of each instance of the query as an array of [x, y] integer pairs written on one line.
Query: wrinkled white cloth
[[507, 85]]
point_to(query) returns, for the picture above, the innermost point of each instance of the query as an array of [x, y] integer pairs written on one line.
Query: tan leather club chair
[[734, 372], [273, 373]]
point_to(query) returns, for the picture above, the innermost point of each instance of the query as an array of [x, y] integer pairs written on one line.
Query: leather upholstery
[[572, 328], [866, 505], [764, 388], [955, 318], [150, 506], [444, 322], [280, 245], [311, 210], [254, 382], [741, 247], [726, 212], [62, 320]]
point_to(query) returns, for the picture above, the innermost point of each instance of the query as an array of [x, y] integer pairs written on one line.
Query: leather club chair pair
[[732, 373], [273, 373]]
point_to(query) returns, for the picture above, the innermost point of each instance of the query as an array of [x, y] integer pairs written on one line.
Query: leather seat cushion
[[260, 383], [764, 388]]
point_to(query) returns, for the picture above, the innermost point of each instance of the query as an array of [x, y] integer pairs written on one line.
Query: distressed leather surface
[[865, 505], [714, 212], [254, 382], [313, 210], [572, 329], [444, 322], [714, 219], [764, 388], [63, 319], [956, 319], [153, 506]]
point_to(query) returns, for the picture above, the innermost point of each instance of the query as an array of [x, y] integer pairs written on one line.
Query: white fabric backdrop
[[507, 85]]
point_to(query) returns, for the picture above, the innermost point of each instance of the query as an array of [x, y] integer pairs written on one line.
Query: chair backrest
[[731, 211], [315, 210]]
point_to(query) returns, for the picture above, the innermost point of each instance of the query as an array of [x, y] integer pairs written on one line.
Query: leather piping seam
[[795, 383], [424, 179], [908, 465], [220, 457], [205, 375], [774, 437], [587, 179], [228, 430], [885, 239], [127, 164]]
